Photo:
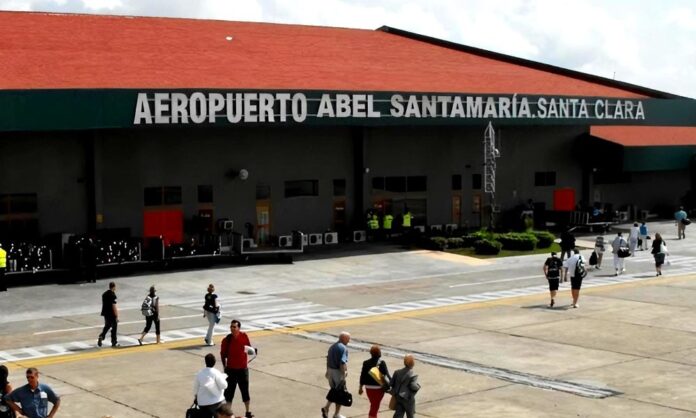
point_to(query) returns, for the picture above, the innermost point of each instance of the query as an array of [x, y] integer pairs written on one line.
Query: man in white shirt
[[619, 242], [209, 388], [569, 267]]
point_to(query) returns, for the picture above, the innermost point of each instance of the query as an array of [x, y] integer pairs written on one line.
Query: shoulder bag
[[193, 411], [340, 396]]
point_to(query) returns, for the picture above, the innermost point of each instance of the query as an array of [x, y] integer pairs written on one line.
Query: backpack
[[580, 271], [593, 258], [146, 308], [554, 269]]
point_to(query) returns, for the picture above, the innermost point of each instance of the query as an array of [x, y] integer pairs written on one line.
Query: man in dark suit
[[404, 387]]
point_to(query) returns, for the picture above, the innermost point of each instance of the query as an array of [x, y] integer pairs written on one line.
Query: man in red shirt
[[235, 361]]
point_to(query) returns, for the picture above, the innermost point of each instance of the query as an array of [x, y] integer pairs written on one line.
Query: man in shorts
[[337, 370], [552, 271], [570, 268]]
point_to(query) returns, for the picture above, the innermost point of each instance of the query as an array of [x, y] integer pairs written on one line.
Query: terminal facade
[[140, 125]]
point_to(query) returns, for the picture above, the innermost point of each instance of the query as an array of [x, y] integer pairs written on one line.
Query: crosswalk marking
[[271, 312]]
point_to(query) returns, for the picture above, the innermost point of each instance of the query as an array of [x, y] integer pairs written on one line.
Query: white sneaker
[[339, 416]]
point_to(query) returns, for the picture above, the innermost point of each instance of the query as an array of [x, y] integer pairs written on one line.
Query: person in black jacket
[[375, 389]]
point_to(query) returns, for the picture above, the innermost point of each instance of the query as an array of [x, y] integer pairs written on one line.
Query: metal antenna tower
[[490, 154]]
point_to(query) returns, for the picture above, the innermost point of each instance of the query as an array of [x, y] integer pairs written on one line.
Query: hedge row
[[485, 242]]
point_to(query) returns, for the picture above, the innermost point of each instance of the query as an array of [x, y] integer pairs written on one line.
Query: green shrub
[[487, 247], [545, 238], [517, 241], [438, 243], [455, 242], [470, 239]]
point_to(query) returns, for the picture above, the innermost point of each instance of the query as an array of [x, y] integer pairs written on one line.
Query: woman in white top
[[209, 388]]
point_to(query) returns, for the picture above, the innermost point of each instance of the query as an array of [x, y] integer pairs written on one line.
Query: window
[[545, 178], [18, 216], [378, 183], [476, 181], [297, 188], [417, 184], [158, 196], [339, 187], [456, 182], [400, 184], [395, 184], [20, 203], [205, 194]]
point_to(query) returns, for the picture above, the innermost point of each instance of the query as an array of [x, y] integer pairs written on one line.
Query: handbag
[[340, 396], [686, 221], [392, 403], [377, 375], [623, 252], [193, 411]]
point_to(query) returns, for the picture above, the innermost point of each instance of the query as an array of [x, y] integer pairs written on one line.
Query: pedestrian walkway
[[269, 312]]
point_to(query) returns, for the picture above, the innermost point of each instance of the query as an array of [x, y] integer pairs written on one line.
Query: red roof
[[67, 51], [641, 136]]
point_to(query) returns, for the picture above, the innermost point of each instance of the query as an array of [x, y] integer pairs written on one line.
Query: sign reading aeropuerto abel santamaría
[[88, 109], [253, 107]]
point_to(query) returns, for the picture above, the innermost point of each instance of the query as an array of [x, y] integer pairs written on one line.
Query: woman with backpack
[[150, 310]]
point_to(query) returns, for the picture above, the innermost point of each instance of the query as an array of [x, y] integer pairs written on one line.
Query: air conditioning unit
[[248, 243], [359, 236], [227, 225], [316, 239], [331, 238], [451, 228], [434, 228], [305, 240], [285, 241], [419, 228]]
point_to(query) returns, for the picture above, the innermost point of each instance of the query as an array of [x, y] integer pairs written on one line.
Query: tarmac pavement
[[627, 351]]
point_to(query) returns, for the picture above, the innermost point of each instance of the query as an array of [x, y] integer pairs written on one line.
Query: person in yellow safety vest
[[3, 265], [372, 225], [374, 222], [406, 220], [387, 225]]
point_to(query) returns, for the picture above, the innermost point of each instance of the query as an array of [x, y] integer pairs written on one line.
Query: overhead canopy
[[643, 148], [646, 136]]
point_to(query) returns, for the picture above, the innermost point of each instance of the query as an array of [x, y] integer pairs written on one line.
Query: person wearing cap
[[552, 271], [235, 360]]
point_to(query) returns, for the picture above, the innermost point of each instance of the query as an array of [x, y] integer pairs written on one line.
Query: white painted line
[[537, 276]]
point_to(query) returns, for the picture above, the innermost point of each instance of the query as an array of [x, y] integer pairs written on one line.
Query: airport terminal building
[[159, 126]]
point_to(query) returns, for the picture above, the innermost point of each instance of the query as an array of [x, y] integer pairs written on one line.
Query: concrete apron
[[629, 350]]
